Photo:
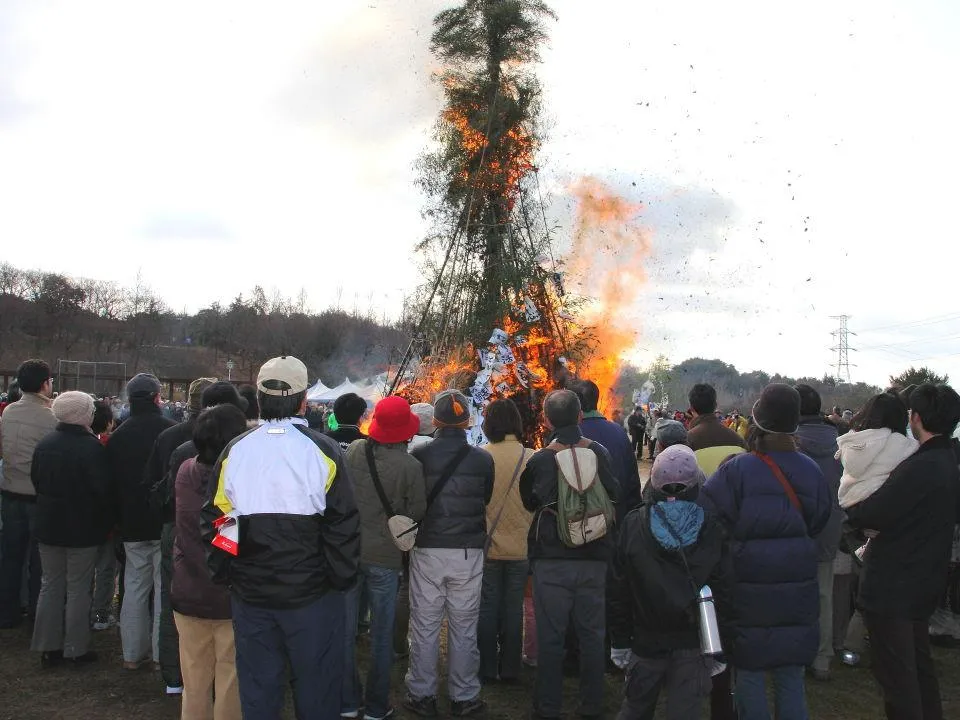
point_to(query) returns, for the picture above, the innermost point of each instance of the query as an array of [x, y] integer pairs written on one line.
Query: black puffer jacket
[[538, 490], [817, 440], [457, 518], [75, 506], [128, 450]]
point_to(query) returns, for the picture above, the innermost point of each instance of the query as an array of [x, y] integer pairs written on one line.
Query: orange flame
[[606, 262]]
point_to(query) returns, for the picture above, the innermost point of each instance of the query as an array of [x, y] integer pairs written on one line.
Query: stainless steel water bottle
[[709, 631]]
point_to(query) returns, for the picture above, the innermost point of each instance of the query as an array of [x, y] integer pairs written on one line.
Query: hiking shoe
[[104, 621], [88, 657], [462, 708], [424, 707], [51, 659], [389, 714], [174, 690]]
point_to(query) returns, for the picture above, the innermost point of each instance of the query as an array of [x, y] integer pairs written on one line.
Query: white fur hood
[[868, 457]]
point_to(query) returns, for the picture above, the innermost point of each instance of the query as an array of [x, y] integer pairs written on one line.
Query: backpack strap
[[782, 479], [372, 463], [447, 474]]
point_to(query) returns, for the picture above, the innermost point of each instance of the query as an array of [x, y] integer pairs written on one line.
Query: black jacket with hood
[[652, 603], [817, 439]]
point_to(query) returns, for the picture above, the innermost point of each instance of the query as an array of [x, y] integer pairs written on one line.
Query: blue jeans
[[309, 639], [18, 547], [381, 585], [788, 692], [500, 629]]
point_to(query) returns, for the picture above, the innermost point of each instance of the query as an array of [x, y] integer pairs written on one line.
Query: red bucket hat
[[393, 421]]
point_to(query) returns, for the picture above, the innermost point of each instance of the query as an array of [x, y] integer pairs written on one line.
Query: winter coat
[[457, 517], [775, 555], [297, 520], [652, 606], [624, 460], [509, 541], [24, 424], [128, 451], [158, 477], [192, 592], [402, 479], [712, 442], [637, 425], [868, 457], [419, 441], [818, 440], [346, 434], [538, 490], [914, 511], [75, 507]]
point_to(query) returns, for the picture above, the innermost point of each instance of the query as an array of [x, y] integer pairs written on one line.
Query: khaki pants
[[207, 662]]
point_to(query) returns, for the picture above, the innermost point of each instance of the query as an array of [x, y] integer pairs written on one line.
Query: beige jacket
[[510, 537], [23, 425]]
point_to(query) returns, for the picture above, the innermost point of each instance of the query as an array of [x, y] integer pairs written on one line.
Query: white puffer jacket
[[868, 457]]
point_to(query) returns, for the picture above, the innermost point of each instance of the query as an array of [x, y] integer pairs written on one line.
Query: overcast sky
[[795, 161]]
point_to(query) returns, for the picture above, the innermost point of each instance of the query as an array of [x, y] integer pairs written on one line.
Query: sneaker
[[424, 707], [104, 621], [389, 714], [350, 714], [174, 690], [51, 659], [849, 658], [462, 708]]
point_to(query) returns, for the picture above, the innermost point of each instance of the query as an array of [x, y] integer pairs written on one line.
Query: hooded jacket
[[128, 452], [817, 439], [652, 606], [914, 511], [538, 489], [402, 479], [774, 554], [868, 457], [457, 516]]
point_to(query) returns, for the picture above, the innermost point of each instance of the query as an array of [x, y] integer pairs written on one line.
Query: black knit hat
[[222, 392], [778, 409]]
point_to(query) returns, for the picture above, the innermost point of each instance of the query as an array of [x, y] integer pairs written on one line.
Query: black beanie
[[222, 393], [778, 409]]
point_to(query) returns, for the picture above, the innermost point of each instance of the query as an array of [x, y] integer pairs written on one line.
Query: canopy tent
[[316, 391], [342, 389]]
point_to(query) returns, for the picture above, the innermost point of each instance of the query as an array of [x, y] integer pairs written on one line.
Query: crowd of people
[[249, 545]]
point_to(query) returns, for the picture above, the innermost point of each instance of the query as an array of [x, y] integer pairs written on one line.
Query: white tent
[[333, 393], [316, 391]]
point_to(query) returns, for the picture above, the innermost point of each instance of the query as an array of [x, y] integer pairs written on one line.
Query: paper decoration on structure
[[519, 340], [487, 358], [522, 373], [530, 310], [505, 355], [498, 337], [503, 388], [480, 394], [558, 283], [564, 315]]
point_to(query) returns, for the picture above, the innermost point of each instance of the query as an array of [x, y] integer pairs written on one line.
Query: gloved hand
[[621, 657]]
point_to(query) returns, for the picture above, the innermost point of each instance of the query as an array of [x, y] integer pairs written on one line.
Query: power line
[[915, 323]]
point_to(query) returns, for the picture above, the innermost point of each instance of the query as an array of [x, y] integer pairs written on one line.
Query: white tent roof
[[342, 389], [317, 390]]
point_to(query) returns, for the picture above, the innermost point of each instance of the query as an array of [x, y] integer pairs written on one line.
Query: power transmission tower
[[842, 348]]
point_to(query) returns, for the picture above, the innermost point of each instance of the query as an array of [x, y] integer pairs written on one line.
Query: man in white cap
[[294, 547]]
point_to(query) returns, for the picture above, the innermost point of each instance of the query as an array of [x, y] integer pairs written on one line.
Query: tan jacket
[[24, 424], [510, 537]]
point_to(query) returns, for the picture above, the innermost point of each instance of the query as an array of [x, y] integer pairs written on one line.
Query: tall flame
[[606, 262]]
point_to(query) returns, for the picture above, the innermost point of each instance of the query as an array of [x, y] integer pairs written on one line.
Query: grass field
[[104, 691]]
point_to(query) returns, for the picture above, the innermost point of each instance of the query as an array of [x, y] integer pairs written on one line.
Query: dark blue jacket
[[624, 461], [775, 555], [817, 439]]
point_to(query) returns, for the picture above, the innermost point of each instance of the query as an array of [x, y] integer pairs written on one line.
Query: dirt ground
[[103, 691]]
